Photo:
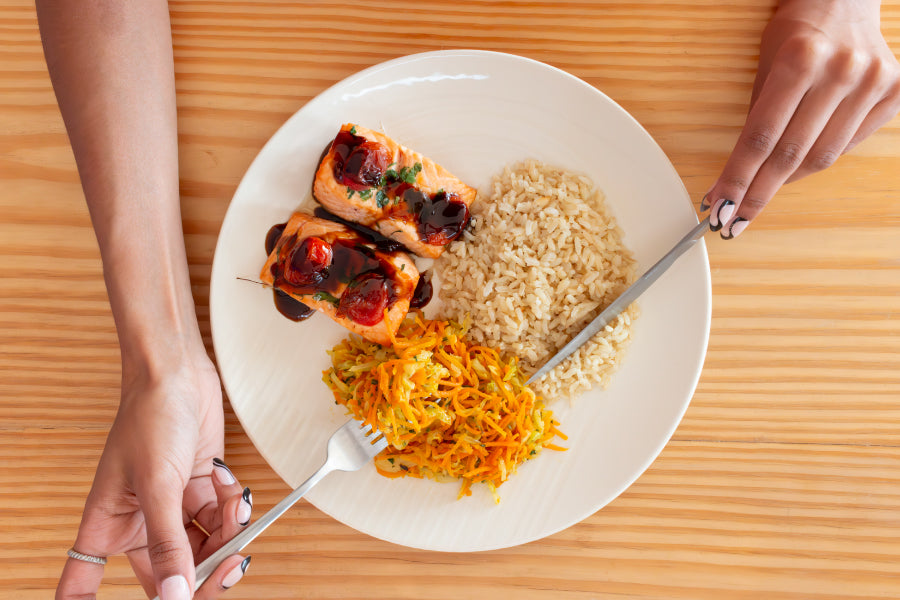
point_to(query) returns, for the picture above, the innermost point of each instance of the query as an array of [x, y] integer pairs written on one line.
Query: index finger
[[781, 94]]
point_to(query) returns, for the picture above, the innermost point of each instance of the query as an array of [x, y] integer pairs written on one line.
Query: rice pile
[[542, 258]]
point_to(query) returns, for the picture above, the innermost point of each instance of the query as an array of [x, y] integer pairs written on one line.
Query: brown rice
[[542, 258]]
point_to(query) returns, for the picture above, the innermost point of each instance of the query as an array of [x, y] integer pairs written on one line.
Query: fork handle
[[240, 541]]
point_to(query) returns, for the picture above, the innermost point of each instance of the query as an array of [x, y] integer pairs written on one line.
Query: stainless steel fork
[[349, 449]]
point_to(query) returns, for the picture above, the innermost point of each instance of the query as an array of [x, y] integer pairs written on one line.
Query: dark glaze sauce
[[443, 219], [359, 163], [291, 308], [424, 291], [384, 244], [439, 218], [272, 236]]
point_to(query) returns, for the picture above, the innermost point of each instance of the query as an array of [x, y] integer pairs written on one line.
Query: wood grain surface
[[783, 480]]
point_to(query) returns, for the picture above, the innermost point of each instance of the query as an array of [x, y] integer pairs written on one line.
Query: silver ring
[[97, 560]]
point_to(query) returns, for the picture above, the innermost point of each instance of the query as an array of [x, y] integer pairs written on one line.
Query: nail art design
[[235, 574], [739, 225], [720, 214], [245, 508], [704, 204], [222, 472]]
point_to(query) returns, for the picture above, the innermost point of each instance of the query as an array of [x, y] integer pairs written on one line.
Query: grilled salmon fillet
[[335, 271], [368, 178]]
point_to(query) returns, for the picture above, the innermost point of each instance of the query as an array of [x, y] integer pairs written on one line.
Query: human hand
[[157, 489], [826, 81]]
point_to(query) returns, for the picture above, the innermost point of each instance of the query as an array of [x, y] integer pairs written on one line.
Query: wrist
[[146, 273]]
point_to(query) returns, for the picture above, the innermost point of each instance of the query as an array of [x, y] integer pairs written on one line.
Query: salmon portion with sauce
[[335, 271], [368, 178]]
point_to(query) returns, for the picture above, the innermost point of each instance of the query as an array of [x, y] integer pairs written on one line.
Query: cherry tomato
[[364, 167], [309, 262], [365, 299], [443, 219]]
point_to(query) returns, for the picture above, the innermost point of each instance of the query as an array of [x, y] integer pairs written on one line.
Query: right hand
[[156, 482]]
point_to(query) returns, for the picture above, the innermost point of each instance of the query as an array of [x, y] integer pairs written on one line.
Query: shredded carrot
[[448, 410]]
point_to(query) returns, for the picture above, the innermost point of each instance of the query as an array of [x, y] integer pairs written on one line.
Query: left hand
[[158, 495], [826, 81]]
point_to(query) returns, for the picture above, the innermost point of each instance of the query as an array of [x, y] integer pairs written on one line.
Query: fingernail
[[235, 574], [704, 202], [720, 214], [222, 472], [175, 588], [739, 225], [245, 508]]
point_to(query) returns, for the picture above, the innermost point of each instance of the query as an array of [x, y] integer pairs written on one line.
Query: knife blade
[[627, 297]]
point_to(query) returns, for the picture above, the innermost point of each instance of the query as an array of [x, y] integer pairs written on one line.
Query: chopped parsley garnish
[[353, 130], [405, 174], [350, 192], [408, 174], [326, 297], [381, 199], [366, 194]]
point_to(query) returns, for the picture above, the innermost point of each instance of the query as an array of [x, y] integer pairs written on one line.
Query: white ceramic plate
[[472, 112]]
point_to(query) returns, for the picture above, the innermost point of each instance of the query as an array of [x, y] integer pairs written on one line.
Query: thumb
[[168, 546]]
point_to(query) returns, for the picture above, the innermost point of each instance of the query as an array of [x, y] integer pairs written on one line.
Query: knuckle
[[164, 552], [752, 205], [734, 185], [759, 141], [804, 52], [787, 156], [845, 66], [821, 160], [882, 76]]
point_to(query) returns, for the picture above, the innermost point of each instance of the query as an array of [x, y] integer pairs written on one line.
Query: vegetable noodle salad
[[447, 409]]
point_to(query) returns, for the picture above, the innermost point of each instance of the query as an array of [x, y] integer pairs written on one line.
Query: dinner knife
[[627, 297]]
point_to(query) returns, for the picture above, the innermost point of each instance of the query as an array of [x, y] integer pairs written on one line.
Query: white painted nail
[[726, 212], [720, 213], [233, 576], [222, 472], [175, 588], [737, 227]]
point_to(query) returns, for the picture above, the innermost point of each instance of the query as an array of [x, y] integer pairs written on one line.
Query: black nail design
[[246, 498], [219, 463], [719, 222], [704, 205], [244, 564], [730, 235]]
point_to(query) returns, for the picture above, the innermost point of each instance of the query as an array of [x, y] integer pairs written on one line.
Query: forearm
[[112, 69]]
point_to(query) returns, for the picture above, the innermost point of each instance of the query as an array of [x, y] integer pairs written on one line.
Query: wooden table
[[782, 480]]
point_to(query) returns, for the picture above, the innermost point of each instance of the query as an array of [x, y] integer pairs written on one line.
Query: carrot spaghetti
[[449, 410]]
